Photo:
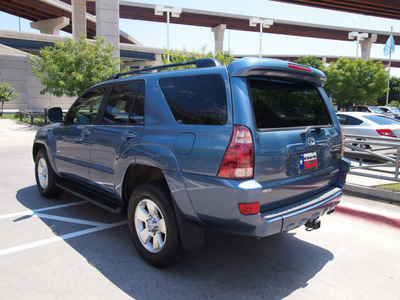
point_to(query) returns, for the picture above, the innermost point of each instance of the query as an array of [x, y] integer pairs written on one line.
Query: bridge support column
[[78, 18], [219, 37], [366, 46], [51, 26], [107, 22]]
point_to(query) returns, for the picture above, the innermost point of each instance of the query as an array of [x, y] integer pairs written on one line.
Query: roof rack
[[200, 63]]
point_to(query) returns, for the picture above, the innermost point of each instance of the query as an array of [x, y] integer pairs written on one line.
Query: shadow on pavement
[[227, 267]]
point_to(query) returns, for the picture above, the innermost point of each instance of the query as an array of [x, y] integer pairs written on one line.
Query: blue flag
[[389, 46]]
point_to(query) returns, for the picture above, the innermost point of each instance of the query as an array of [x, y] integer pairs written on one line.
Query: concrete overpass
[[40, 10], [384, 9]]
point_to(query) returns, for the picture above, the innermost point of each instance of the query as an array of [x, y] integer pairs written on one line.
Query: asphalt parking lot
[[70, 249]]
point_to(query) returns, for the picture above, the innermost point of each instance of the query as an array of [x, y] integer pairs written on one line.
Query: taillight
[[386, 132], [298, 67], [238, 161], [249, 208]]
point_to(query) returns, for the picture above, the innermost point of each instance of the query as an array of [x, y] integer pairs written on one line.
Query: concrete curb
[[372, 193], [369, 216]]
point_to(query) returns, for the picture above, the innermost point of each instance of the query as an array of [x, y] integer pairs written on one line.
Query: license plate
[[308, 161]]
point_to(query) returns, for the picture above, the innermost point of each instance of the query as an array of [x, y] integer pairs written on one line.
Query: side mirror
[[55, 114]]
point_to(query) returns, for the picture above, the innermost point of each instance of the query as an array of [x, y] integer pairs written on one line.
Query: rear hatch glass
[[279, 104], [297, 148]]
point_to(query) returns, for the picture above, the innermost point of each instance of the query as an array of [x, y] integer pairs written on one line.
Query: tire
[[362, 146], [153, 226], [45, 176]]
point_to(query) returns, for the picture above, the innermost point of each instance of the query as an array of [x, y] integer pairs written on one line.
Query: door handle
[[86, 132], [127, 134]]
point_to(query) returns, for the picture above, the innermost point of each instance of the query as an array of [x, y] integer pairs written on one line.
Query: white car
[[367, 125]]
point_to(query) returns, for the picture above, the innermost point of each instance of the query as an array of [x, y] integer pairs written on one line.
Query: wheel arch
[[137, 174], [190, 229]]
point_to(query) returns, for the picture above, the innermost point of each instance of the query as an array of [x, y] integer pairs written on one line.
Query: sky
[[154, 34]]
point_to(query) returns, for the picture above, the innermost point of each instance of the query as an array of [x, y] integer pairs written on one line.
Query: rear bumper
[[215, 203], [295, 215]]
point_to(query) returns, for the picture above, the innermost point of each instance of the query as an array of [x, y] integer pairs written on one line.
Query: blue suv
[[253, 148]]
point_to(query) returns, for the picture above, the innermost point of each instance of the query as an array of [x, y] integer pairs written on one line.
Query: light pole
[[359, 36], [174, 11], [264, 23]]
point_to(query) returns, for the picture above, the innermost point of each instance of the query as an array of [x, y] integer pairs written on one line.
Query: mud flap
[[192, 235]]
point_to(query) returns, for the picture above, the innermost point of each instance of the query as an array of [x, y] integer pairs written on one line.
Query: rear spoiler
[[277, 69]]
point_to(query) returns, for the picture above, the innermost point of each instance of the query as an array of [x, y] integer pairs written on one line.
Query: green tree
[[312, 61], [7, 93], [394, 103], [394, 93], [177, 56], [356, 81], [70, 67]]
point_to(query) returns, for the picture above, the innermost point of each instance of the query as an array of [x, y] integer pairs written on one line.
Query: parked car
[[253, 148], [366, 125], [395, 111], [366, 108], [370, 109]]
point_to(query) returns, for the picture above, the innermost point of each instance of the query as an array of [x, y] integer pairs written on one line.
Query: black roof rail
[[200, 63]]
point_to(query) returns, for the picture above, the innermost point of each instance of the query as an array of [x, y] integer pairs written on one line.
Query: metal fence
[[377, 157]]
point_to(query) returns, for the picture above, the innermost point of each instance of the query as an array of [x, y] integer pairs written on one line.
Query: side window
[[352, 121], [122, 108], [385, 109], [341, 119], [86, 108], [199, 99], [137, 114]]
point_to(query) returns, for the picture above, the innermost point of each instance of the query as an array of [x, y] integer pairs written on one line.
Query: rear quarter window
[[348, 120], [199, 99], [281, 104]]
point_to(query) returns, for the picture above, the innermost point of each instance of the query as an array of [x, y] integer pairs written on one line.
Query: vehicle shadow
[[227, 267]]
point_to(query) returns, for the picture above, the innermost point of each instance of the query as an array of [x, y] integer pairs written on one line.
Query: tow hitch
[[313, 224]]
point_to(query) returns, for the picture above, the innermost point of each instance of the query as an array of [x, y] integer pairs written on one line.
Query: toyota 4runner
[[253, 148]]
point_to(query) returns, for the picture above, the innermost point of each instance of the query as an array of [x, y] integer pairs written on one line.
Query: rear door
[[297, 143], [119, 131]]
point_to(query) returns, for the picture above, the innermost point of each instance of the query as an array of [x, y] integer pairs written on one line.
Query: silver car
[[366, 125], [395, 111]]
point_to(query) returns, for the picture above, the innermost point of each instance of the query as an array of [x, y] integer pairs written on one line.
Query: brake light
[[249, 208], [238, 161], [386, 132], [298, 67]]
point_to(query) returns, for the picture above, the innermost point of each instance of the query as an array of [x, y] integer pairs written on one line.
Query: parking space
[[33, 228], [28, 220]]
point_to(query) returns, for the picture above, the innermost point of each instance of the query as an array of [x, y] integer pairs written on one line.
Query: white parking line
[[60, 238], [32, 212], [70, 220]]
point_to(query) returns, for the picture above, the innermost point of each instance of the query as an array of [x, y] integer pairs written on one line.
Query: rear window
[[376, 110], [197, 100], [281, 104], [381, 120], [395, 110]]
